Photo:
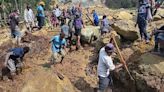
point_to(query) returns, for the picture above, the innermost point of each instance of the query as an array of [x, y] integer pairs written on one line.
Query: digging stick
[[90, 19], [121, 57]]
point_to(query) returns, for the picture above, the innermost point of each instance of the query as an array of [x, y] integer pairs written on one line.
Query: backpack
[[78, 23]]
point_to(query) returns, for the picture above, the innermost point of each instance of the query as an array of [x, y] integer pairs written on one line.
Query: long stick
[[90, 19], [121, 57]]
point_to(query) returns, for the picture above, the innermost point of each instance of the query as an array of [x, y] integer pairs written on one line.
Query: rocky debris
[[75, 70], [89, 33], [127, 53], [126, 29], [123, 15], [160, 12], [150, 73], [4, 36], [157, 17], [105, 40], [155, 62], [42, 80]]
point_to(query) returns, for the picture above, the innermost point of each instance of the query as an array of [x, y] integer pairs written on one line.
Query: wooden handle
[[90, 19], [121, 57]]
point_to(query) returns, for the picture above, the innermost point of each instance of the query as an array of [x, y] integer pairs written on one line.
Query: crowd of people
[[72, 29]]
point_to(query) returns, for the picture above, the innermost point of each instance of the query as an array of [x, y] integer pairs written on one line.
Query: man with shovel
[[105, 65]]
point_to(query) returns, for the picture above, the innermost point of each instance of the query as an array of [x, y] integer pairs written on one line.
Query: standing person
[[40, 14], [159, 40], [57, 12], [66, 31], [58, 47], [64, 16], [54, 20], [14, 59], [29, 18], [105, 25], [142, 19], [74, 10], [14, 25], [105, 65], [95, 18], [78, 24]]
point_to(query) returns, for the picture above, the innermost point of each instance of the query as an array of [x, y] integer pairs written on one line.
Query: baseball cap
[[109, 48]]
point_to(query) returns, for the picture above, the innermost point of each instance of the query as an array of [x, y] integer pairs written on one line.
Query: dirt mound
[[74, 66], [150, 73], [43, 80]]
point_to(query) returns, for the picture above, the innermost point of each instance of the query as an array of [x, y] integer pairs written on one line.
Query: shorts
[[12, 65], [15, 32], [105, 82], [57, 56], [77, 32]]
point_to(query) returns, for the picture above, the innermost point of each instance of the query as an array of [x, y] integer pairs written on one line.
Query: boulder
[[106, 39], [89, 32], [155, 62], [157, 17], [110, 17], [151, 75], [160, 12], [42, 80], [123, 15], [126, 29]]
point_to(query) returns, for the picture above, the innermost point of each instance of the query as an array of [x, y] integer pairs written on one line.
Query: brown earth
[[77, 72]]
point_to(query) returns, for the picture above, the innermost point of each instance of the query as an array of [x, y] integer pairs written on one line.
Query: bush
[[121, 3]]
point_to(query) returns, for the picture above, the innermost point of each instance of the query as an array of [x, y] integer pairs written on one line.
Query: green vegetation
[[121, 3]]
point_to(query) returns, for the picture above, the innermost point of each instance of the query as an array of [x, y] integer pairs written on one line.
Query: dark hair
[[26, 49], [104, 16], [28, 6], [140, 1], [15, 10]]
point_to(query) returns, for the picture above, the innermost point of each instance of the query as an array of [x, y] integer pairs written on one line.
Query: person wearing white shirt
[[57, 12], [29, 18], [105, 65]]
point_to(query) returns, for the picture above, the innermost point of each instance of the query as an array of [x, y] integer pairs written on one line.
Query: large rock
[[105, 40], [89, 32], [150, 77], [160, 12], [159, 15], [126, 29], [46, 81], [123, 15]]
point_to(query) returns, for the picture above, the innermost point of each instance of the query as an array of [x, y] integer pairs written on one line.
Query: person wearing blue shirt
[[95, 18], [40, 15], [58, 47], [14, 59]]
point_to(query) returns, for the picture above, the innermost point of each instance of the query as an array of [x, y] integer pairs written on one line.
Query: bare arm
[[119, 66]]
